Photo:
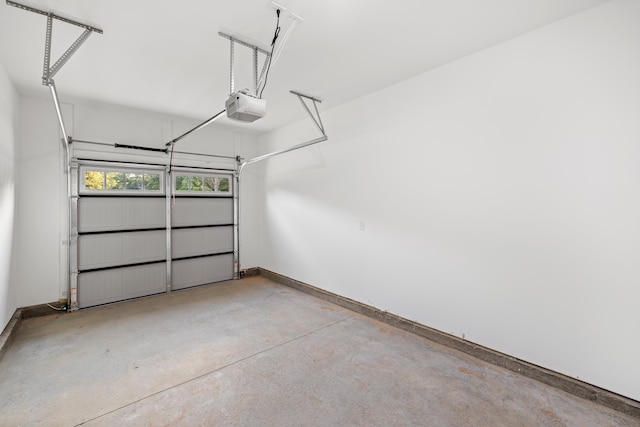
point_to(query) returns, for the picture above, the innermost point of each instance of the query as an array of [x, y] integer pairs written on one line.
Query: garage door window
[[202, 184], [118, 181]]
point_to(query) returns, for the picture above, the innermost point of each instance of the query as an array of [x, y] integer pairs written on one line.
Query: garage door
[[201, 229], [127, 224]]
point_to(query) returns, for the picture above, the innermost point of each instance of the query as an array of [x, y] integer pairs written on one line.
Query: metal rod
[[218, 156], [244, 43], [264, 69], [54, 16], [305, 95], [67, 55], [67, 164], [56, 103], [200, 126], [286, 150], [320, 128], [315, 105]]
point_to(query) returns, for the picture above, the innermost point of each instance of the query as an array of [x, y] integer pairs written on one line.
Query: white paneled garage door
[[124, 237], [201, 229]]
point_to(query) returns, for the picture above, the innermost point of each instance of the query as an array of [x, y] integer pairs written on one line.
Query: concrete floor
[[253, 352]]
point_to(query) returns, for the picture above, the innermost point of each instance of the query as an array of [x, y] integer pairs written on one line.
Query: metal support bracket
[[48, 72], [256, 49], [317, 120], [48, 75]]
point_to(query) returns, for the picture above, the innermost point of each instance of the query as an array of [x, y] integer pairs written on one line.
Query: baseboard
[[563, 382], [249, 272], [9, 332], [42, 310]]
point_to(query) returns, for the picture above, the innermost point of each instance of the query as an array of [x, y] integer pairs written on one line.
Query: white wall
[[8, 138], [499, 194], [41, 227]]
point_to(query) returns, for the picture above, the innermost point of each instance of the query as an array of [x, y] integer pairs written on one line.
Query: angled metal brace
[[65, 56], [315, 100], [317, 121], [47, 71]]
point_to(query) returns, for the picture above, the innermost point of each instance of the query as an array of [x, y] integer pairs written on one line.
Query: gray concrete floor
[[253, 352]]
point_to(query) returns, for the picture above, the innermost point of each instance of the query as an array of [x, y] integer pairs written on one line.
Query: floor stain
[[386, 330], [553, 417], [470, 372]]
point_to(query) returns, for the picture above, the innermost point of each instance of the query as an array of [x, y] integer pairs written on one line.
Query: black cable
[[273, 45]]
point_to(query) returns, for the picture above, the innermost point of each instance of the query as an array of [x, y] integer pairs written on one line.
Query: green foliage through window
[[116, 180], [134, 181], [152, 181], [199, 184], [195, 183]]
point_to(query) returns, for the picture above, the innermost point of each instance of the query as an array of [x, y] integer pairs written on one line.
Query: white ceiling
[[166, 56]]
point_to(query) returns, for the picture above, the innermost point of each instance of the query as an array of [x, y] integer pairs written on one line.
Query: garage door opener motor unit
[[243, 106]]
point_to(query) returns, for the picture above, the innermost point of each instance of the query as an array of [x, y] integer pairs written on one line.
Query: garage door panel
[[104, 286], [200, 271], [114, 249], [189, 212], [97, 214], [123, 226], [201, 241]]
